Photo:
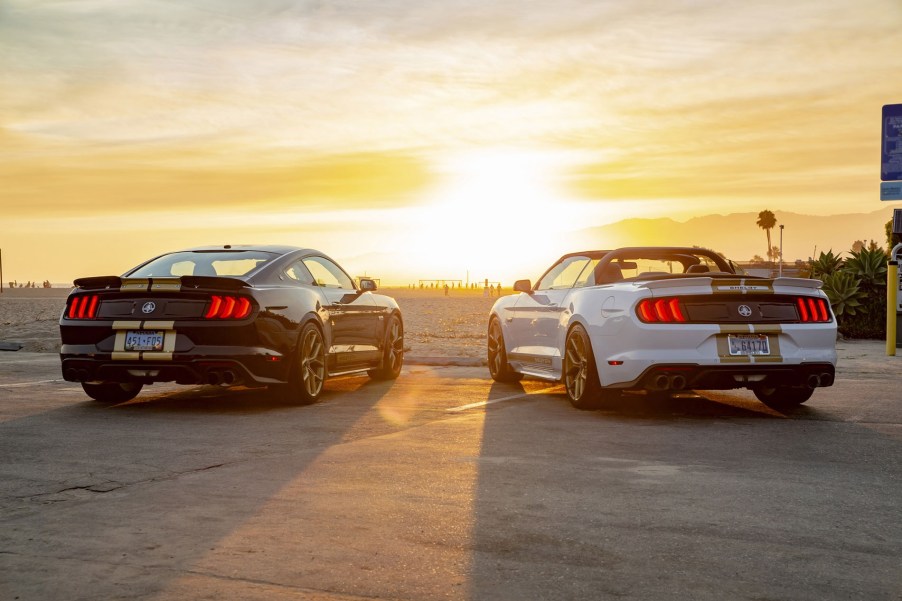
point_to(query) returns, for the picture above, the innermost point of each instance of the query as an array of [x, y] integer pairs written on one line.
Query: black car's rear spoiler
[[193, 282]]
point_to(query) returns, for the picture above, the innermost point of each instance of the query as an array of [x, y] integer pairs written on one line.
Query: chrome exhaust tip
[[814, 381], [678, 382], [660, 382], [213, 378]]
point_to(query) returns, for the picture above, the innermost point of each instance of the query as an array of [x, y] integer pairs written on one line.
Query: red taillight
[[242, 308], [646, 311], [676, 309], [215, 303], [803, 310], [92, 308], [73, 307], [812, 310], [83, 307], [661, 310], [228, 307]]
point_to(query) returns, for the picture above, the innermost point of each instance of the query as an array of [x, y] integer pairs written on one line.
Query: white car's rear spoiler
[[739, 284]]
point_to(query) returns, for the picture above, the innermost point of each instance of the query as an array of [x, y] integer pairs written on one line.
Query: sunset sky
[[421, 138]]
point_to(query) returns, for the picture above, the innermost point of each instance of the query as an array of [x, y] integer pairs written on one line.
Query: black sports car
[[276, 316]]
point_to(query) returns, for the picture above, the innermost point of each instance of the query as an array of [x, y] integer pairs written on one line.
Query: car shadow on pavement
[[236, 399], [680, 498], [123, 501]]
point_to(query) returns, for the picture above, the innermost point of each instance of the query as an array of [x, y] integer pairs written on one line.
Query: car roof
[[629, 249], [280, 249]]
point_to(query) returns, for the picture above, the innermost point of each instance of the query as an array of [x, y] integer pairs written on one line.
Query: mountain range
[[738, 237]]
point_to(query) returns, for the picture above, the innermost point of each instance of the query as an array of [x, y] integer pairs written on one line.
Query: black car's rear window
[[234, 263]]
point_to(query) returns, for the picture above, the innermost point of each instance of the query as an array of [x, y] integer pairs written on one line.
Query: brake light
[[83, 306], [812, 310], [228, 307], [661, 310]]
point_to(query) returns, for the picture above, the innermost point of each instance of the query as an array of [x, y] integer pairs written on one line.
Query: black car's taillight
[[228, 307], [812, 310], [661, 310], [83, 306]]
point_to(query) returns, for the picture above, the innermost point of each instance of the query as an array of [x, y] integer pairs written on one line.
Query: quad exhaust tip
[[226, 377], [665, 382], [816, 380]]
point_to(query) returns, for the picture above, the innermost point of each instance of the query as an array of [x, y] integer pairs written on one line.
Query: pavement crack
[[111, 485]]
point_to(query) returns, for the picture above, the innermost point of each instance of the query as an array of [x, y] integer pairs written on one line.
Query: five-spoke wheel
[[580, 372], [308, 371], [392, 353], [499, 368]]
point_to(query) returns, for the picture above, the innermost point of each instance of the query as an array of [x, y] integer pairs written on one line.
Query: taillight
[[228, 307], [812, 310], [83, 306], [661, 310]]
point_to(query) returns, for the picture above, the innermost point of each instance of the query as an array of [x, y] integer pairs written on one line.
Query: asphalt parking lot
[[445, 485]]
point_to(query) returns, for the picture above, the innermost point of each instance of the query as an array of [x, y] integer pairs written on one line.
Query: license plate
[[144, 340], [749, 344]]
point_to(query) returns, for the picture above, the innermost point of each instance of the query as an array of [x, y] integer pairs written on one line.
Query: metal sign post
[[891, 189], [892, 294]]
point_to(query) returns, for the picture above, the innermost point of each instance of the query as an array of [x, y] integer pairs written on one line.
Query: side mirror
[[523, 286], [367, 285]]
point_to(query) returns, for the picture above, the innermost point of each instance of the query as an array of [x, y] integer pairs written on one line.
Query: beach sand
[[435, 325]]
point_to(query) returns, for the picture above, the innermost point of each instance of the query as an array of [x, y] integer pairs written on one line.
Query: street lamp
[[781, 251]]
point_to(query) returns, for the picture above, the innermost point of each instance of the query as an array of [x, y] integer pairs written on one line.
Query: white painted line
[[504, 398], [26, 384]]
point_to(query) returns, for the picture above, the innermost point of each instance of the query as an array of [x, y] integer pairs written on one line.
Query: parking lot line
[[505, 398], [26, 384]]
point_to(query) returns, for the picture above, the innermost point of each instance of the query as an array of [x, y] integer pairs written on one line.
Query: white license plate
[[749, 344], [144, 340]]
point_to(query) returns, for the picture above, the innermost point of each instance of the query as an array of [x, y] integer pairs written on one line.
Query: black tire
[[112, 392], [392, 353], [783, 397], [580, 373], [308, 369], [496, 354]]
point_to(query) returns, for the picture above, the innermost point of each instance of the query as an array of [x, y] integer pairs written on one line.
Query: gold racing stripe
[[166, 285], [773, 332], [135, 285], [169, 335], [742, 286], [723, 346], [119, 352], [168, 341]]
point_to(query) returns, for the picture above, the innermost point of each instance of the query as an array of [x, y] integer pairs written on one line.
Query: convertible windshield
[[210, 263]]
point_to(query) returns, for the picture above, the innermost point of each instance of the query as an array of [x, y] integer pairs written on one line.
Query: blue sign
[[890, 190], [891, 144]]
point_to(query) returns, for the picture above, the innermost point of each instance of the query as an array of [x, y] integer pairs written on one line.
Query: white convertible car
[[664, 319]]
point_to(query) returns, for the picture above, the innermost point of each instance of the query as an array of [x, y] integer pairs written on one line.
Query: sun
[[496, 213]]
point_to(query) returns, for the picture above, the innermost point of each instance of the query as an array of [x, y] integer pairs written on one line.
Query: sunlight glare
[[496, 208]]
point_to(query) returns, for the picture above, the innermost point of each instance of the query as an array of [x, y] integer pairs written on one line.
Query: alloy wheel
[[313, 363]]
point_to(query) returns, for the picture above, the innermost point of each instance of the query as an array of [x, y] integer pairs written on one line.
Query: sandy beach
[[436, 325]]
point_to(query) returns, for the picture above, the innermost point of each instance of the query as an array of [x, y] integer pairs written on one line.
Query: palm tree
[[767, 221]]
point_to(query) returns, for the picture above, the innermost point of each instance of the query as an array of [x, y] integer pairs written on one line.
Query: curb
[[445, 361]]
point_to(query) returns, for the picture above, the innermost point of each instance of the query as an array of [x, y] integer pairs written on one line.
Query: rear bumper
[[701, 351], [675, 377], [231, 366]]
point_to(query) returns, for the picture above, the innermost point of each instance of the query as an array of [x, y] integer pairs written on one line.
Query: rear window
[[227, 263]]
